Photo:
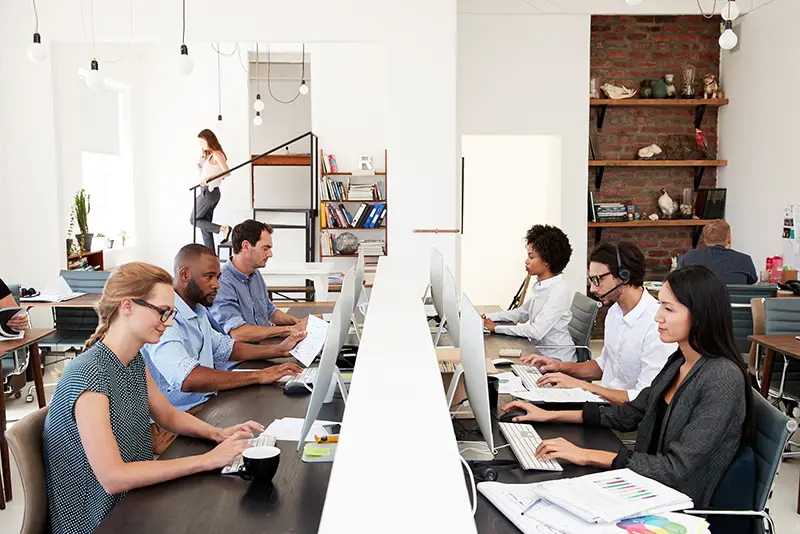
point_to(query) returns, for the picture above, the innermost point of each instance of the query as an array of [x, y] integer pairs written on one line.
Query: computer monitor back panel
[[337, 333], [437, 282], [450, 302], [473, 361]]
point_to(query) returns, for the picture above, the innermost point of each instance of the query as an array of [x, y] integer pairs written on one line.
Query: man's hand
[[560, 380], [545, 364], [290, 342], [270, 375], [489, 324], [299, 326], [250, 427]]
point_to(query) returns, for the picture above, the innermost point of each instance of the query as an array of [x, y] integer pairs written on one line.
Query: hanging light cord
[[258, 86], [92, 48], [303, 63], [36, 15], [219, 89], [269, 80], [217, 50], [183, 27], [713, 10]]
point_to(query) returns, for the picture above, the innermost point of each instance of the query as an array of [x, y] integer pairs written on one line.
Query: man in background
[[731, 266]]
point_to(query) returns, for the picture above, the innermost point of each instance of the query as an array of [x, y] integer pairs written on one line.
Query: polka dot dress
[[76, 500]]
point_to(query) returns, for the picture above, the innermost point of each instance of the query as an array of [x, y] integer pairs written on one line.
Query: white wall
[[757, 130], [528, 75]]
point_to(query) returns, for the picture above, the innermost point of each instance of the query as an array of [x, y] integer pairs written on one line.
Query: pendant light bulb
[[303, 88], [258, 105], [728, 39], [633, 3], [257, 120], [36, 51], [729, 11], [185, 63], [93, 78]]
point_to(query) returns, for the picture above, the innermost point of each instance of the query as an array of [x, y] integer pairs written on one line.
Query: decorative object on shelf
[[669, 80], [673, 263], [346, 243], [365, 163], [687, 89], [646, 89], [332, 163], [651, 152], [667, 206], [593, 92], [711, 89], [659, 88], [702, 147], [653, 217], [631, 208], [615, 92], [682, 147], [686, 203], [123, 235], [82, 208]]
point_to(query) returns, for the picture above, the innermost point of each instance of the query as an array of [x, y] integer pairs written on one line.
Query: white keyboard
[[523, 440], [264, 440], [430, 310], [529, 376], [510, 353], [307, 376]]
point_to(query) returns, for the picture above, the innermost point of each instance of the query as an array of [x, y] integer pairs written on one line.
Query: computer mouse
[[509, 416], [502, 361], [296, 388]]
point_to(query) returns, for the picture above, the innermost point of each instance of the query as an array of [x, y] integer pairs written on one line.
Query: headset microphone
[[622, 271]]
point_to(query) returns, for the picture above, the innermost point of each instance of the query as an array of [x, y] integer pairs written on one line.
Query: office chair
[[741, 310], [25, 441], [584, 315], [782, 316], [773, 429], [75, 325]]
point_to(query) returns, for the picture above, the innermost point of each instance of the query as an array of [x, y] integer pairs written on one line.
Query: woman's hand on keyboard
[[561, 449], [253, 428], [270, 375], [537, 415], [545, 364], [228, 450]]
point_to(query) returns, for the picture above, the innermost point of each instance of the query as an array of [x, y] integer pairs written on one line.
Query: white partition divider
[[397, 466]]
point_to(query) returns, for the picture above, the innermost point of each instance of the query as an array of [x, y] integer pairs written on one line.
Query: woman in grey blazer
[[697, 411]]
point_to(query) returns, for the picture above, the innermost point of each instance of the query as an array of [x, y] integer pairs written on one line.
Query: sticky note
[[317, 452], [347, 376]]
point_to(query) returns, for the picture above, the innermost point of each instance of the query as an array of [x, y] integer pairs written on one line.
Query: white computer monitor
[[450, 305], [437, 282], [473, 362], [337, 333], [359, 278]]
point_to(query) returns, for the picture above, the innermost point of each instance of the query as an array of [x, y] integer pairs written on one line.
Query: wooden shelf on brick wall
[[699, 105], [699, 166], [696, 224]]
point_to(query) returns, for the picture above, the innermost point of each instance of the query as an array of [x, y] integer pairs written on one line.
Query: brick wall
[[624, 51]]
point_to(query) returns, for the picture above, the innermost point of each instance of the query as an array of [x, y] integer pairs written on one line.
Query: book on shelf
[[375, 247], [332, 189], [366, 216]]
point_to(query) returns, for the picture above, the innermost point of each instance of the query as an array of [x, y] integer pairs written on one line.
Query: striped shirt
[[730, 266]]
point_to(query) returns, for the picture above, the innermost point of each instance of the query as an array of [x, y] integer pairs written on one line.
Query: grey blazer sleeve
[[719, 407], [625, 417]]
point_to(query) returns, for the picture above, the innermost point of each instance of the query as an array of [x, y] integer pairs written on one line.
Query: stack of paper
[[509, 383], [613, 502], [57, 291], [288, 429], [311, 346]]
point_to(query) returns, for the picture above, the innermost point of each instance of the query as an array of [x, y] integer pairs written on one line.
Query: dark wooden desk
[[211, 502], [782, 344], [88, 300], [30, 341]]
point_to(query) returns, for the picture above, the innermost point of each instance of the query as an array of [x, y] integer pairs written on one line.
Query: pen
[[531, 505]]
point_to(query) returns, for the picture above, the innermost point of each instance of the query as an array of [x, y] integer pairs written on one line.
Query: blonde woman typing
[[97, 442]]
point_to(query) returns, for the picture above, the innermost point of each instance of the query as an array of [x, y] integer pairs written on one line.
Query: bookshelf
[[332, 196]]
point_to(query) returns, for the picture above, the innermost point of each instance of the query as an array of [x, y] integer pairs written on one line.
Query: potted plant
[[82, 208], [70, 231]]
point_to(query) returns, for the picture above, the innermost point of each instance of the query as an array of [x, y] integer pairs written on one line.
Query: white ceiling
[[598, 7]]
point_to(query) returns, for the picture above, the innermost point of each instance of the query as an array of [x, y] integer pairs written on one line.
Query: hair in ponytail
[[134, 280]]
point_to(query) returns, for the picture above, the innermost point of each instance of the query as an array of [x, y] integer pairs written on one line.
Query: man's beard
[[194, 292]]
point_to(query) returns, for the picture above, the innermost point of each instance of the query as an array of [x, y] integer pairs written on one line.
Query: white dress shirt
[[633, 353], [542, 318]]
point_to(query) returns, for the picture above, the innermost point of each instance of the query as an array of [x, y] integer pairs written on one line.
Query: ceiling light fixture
[[728, 39], [185, 64], [303, 87], [730, 11], [258, 105], [258, 120], [36, 51]]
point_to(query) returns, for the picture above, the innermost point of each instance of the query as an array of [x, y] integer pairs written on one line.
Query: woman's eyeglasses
[[164, 315], [596, 279]]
